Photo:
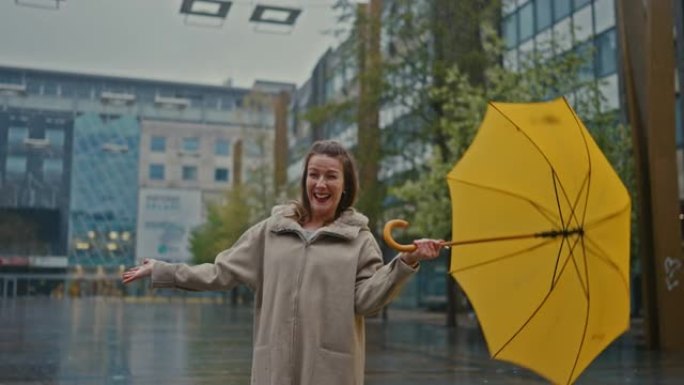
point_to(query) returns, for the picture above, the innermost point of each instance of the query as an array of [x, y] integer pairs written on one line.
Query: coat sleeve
[[242, 263], [376, 283]]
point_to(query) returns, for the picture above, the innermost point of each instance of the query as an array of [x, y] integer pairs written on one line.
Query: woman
[[316, 271]]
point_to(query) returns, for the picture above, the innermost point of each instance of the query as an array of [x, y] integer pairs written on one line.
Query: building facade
[[81, 154]]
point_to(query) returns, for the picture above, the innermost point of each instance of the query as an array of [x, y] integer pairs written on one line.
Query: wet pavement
[[197, 341]]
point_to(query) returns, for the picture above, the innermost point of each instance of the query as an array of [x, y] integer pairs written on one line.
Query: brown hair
[[335, 150]]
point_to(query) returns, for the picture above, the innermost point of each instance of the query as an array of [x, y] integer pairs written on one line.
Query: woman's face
[[324, 186]]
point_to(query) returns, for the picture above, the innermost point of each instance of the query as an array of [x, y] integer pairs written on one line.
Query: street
[[201, 341]]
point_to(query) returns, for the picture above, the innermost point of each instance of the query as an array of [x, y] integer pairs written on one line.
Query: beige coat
[[310, 295]]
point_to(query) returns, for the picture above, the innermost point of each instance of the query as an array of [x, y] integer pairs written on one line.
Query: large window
[[604, 15], [526, 21], [55, 137], [157, 172], [561, 9], [585, 53], [580, 3], [544, 14], [222, 147], [16, 167], [52, 169], [606, 49], [189, 173], [221, 175], [510, 30], [17, 135], [583, 24], [157, 143], [191, 144]]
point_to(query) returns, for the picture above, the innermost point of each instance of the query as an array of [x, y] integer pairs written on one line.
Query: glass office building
[[104, 190], [586, 26]]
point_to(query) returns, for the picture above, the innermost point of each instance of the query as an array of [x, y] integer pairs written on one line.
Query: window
[[17, 135], [221, 175], [544, 14], [561, 9], [581, 3], [562, 32], [190, 173], [15, 167], [222, 147], [585, 52], [191, 144], [604, 15], [583, 25], [156, 172], [606, 48], [526, 21], [510, 30], [52, 168], [157, 143], [55, 137]]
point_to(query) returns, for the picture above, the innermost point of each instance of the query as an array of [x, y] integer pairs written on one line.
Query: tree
[[225, 223]]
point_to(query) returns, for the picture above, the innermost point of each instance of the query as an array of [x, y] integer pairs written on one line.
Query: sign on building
[[165, 219]]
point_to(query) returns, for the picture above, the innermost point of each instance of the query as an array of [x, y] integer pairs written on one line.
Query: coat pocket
[[333, 368]]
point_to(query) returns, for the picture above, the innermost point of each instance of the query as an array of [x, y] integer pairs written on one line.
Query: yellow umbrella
[[542, 225]]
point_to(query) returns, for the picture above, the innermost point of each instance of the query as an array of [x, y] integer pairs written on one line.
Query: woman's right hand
[[138, 272]]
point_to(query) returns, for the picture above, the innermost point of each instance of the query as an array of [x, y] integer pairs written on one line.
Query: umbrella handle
[[387, 235]]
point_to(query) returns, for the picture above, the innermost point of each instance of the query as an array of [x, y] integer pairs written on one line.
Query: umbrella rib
[[546, 213], [603, 257], [601, 254], [607, 216], [573, 207], [554, 178], [501, 258], [574, 262], [586, 314], [586, 150], [532, 315]]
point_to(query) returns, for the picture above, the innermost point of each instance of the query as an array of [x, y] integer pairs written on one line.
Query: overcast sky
[[151, 39]]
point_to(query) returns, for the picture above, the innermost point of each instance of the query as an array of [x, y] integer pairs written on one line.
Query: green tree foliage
[[225, 223]]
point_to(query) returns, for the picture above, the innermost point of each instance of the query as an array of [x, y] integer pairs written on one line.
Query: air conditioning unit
[[12, 89], [37, 143], [171, 102], [114, 148], [119, 98]]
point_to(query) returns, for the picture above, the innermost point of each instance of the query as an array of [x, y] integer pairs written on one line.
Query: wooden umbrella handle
[[387, 235]]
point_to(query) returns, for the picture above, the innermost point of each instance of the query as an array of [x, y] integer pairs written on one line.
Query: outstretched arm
[[239, 264], [377, 284]]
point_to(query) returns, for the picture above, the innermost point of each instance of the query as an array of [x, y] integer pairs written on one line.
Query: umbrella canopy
[[553, 292]]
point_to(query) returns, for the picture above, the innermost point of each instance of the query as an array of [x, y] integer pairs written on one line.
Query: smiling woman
[[316, 271]]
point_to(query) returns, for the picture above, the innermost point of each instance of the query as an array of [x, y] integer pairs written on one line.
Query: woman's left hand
[[426, 249]]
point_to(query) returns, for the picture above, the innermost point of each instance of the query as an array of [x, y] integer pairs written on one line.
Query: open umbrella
[[542, 225]]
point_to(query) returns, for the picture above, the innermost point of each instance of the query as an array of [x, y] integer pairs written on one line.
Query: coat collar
[[347, 226]]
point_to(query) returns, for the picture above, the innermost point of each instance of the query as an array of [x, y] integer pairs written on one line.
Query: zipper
[[300, 274], [295, 365]]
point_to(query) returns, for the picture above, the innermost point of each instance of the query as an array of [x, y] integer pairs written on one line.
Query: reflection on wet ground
[[176, 341]]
